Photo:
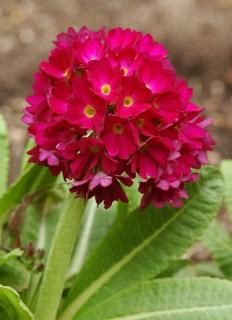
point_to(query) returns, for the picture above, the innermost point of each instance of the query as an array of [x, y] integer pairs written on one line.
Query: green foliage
[[95, 224], [4, 158], [15, 275], [11, 307], [6, 257], [197, 299], [40, 223], [12, 271], [219, 242], [226, 168], [31, 181], [142, 245]]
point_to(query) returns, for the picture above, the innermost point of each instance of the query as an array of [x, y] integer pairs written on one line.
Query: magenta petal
[[105, 181], [52, 160], [163, 185], [51, 70], [58, 106]]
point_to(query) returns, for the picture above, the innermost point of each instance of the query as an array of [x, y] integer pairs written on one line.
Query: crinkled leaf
[[11, 307], [226, 168], [219, 243], [185, 299], [142, 245]]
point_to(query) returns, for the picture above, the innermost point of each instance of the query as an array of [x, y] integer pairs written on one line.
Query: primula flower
[[105, 188], [151, 157], [60, 63], [105, 79], [107, 107], [86, 109], [134, 98], [91, 153], [128, 59], [155, 76], [120, 137]]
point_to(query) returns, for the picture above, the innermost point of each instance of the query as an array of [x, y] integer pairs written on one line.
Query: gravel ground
[[196, 33]]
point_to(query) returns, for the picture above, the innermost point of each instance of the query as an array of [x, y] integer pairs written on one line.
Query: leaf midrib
[[74, 307]]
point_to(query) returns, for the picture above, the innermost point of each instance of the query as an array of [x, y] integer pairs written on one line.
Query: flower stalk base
[[59, 259]]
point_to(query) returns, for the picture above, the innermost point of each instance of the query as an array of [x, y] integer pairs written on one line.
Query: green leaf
[[39, 226], [15, 275], [30, 228], [12, 272], [174, 268], [142, 245], [219, 243], [195, 299], [4, 158], [200, 269], [95, 225], [32, 180], [226, 168], [5, 257], [11, 307]]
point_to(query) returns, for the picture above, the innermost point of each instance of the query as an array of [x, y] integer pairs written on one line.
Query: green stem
[[59, 259]]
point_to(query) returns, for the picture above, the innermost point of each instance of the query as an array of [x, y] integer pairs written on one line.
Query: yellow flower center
[[128, 101], [125, 70], [118, 128], [89, 111], [105, 89]]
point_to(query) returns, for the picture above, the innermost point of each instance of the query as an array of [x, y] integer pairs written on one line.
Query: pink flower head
[[107, 107]]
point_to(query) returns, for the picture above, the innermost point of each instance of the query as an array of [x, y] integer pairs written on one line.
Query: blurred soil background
[[197, 33]]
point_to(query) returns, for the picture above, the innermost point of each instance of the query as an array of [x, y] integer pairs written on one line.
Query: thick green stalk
[[59, 259]]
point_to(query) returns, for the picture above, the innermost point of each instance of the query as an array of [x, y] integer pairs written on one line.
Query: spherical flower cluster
[[107, 107]]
